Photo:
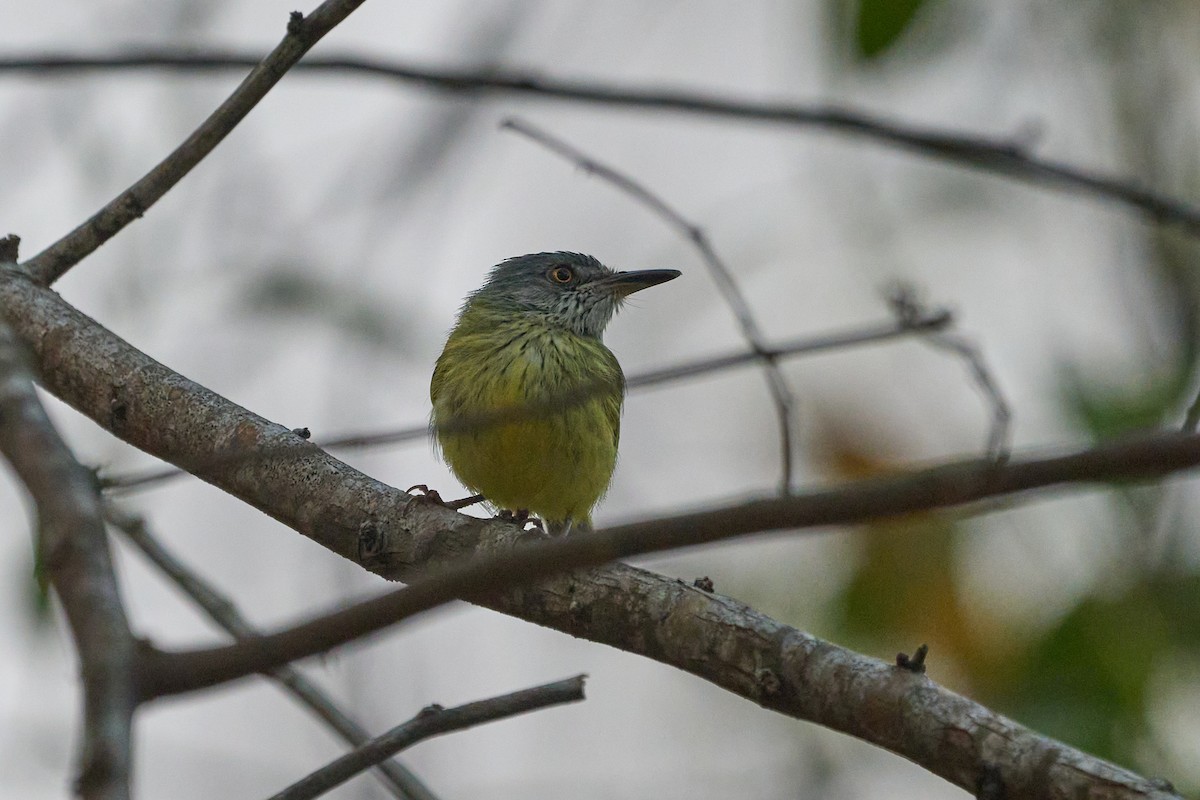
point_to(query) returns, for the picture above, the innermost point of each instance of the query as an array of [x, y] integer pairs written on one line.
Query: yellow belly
[[558, 462]]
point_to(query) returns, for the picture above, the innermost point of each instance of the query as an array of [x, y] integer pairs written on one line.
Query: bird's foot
[[532, 528], [517, 517], [424, 493]]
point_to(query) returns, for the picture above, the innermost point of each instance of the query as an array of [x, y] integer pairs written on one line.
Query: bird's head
[[568, 290]]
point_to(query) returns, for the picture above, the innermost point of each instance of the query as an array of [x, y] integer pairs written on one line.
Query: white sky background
[[398, 201]]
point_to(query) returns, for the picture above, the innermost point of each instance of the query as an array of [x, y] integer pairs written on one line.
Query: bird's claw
[[423, 492], [518, 517]]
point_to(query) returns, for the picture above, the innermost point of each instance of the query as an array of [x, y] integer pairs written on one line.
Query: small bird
[[529, 338]]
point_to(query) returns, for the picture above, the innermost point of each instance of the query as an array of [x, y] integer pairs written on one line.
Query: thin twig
[[302, 33], [904, 302], [781, 393], [937, 319], [74, 549], [999, 432], [432, 721], [947, 486], [221, 610], [1008, 158]]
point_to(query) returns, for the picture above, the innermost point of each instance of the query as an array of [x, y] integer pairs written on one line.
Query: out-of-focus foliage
[[1088, 675], [1107, 411], [905, 590], [1084, 679], [879, 23], [1170, 340], [292, 293]]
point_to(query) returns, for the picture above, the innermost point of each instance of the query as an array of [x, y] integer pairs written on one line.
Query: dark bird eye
[[561, 274]]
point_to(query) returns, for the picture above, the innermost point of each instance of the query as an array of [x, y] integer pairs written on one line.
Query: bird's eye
[[561, 274]]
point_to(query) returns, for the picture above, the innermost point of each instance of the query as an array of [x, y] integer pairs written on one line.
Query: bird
[[526, 397]]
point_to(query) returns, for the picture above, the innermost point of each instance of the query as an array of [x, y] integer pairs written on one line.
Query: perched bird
[[526, 352]]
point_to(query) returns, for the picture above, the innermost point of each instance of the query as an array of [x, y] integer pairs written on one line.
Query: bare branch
[[1008, 158], [715, 638], [924, 322], [432, 721], [221, 610], [302, 33], [75, 550], [781, 393]]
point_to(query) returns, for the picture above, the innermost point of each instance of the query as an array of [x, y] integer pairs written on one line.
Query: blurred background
[[311, 267]]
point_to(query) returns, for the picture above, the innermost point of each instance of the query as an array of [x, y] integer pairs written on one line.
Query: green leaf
[[1106, 411], [879, 23]]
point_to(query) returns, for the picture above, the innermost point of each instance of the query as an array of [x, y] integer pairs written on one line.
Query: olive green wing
[[614, 399]]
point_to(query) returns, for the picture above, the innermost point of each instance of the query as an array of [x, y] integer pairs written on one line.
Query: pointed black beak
[[626, 283]]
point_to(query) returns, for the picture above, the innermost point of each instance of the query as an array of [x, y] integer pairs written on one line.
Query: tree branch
[[1006, 158], [432, 721], [75, 551], [302, 33], [220, 609], [716, 638]]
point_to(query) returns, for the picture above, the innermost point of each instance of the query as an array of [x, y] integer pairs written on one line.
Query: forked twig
[[904, 302], [220, 609], [432, 721], [74, 548]]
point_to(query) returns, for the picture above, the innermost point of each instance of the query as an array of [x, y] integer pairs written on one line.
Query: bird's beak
[[623, 284]]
